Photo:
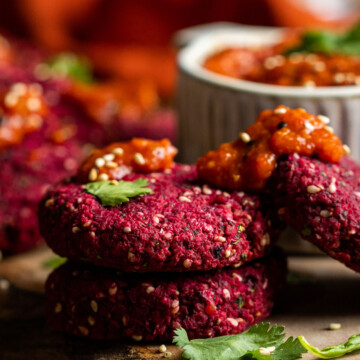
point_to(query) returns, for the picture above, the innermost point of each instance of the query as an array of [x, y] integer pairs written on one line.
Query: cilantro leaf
[[330, 352], [111, 194], [71, 65], [54, 262], [242, 346], [328, 43]]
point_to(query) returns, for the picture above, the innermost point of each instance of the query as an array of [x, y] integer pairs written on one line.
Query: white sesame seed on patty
[[233, 321], [313, 189], [245, 137], [99, 162], [280, 111], [184, 199], [94, 306], [127, 230], [93, 175], [150, 289], [109, 157], [325, 213], [139, 159], [187, 263], [103, 177], [346, 149], [75, 229], [33, 104], [118, 151], [324, 119], [219, 238]]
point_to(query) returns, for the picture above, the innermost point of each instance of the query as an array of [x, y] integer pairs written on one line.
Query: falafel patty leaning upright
[[132, 208]]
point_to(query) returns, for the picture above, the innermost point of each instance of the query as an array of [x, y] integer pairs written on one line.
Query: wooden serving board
[[321, 291]]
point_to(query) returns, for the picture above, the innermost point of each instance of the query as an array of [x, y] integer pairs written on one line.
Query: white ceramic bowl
[[213, 108]]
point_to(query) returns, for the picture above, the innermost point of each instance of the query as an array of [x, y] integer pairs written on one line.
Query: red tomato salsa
[[248, 162], [120, 159], [269, 65]]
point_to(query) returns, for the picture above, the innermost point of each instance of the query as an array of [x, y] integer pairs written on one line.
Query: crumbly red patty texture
[[101, 303], [322, 202], [180, 227], [27, 171]]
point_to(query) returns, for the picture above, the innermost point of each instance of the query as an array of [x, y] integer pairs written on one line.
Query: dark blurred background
[[132, 39]]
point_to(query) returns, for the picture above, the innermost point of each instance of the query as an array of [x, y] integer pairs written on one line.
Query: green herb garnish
[[331, 352], [54, 262], [71, 65], [329, 43], [248, 345], [113, 194]]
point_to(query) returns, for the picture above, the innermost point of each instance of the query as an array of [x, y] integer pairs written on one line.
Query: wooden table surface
[[321, 291]]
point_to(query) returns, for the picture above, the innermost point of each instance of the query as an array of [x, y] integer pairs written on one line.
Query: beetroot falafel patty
[[100, 303], [322, 202], [179, 227]]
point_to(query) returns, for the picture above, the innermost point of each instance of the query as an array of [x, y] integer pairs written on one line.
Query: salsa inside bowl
[[309, 59]]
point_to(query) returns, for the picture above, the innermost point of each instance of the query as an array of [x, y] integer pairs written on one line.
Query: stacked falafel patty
[[185, 255]]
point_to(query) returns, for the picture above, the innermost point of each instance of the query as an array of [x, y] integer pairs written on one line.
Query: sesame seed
[[264, 351], [19, 88], [49, 202], [87, 224], [75, 229], [124, 321], [33, 104], [309, 126], [233, 321], [265, 240], [206, 190], [237, 276], [114, 182], [156, 220], [324, 119], [339, 78], [245, 137], [109, 157], [118, 151], [271, 348], [83, 330], [168, 354], [184, 199], [175, 303], [99, 162], [332, 188], [91, 320], [111, 164], [280, 111], [94, 306], [227, 253], [113, 289], [329, 129], [346, 149], [226, 293], [103, 177], [219, 238], [168, 235], [10, 100], [139, 159], [162, 348], [187, 263], [93, 174], [334, 326], [127, 230], [150, 289], [309, 84], [137, 337], [58, 308], [312, 189], [131, 257], [325, 213], [175, 310]]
